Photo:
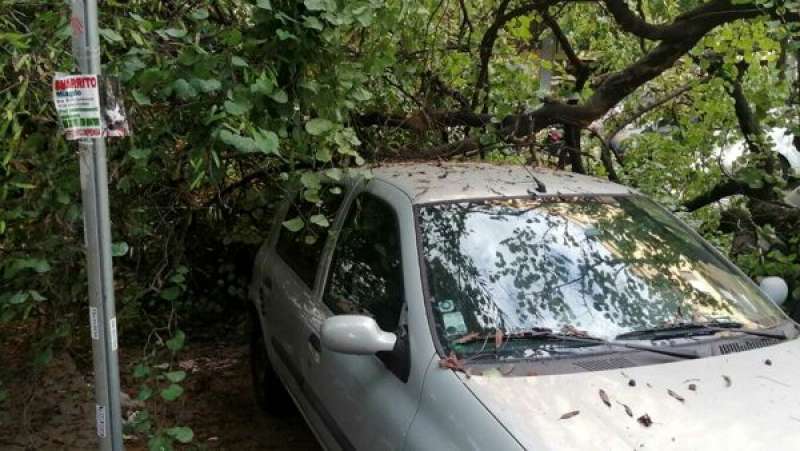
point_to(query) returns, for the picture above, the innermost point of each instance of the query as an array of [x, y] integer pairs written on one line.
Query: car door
[[368, 401], [287, 289]]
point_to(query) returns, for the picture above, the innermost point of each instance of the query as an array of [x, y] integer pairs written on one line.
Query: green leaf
[[334, 174], [320, 220], [38, 265], [312, 195], [294, 224], [111, 35], [171, 393], [263, 85], [145, 393], [237, 108], [175, 32], [183, 89], [175, 343], [323, 154], [318, 126], [18, 298], [199, 14], [210, 85], [267, 141], [240, 143], [182, 434], [159, 443], [140, 97], [310, 180], [238, 61], [44, 357], [171, 293], [264, 4], [141, 370], [320, 5], [280, 96], [119, 249], [139, 153], [313, 23], [284, 35], [175, 376]]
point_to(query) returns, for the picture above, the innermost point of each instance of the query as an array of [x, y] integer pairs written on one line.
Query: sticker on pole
[[77, 100], [100, 419]]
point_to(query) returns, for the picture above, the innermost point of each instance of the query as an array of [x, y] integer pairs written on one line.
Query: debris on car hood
[[726, 402]]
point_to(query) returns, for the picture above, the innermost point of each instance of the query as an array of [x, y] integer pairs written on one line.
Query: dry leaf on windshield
[[452, 362], [604, 397], [645, 420], [569, 415], [728, 381], [469, 337], [498, 338], [675, 395]]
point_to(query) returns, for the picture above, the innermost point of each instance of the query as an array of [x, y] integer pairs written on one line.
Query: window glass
[[366, 276], [305, 229], [598, 265]]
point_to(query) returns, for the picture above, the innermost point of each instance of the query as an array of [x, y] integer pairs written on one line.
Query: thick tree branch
[[713, 13], [748, 124], [722, 190], [677, 39]]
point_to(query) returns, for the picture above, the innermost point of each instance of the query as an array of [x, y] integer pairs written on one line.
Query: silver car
[[483, 307]]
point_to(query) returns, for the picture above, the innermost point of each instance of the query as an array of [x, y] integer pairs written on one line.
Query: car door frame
[[288, 372], [421, 345]]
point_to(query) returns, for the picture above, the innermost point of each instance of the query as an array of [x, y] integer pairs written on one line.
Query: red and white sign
[[77, 100]]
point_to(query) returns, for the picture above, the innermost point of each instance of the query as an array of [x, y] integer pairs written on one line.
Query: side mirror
[[355, 334], [775, 288]]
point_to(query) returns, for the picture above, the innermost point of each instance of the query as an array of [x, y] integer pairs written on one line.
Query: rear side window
[[305, 229], [366, 276]]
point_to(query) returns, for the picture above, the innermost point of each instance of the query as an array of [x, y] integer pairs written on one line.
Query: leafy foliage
[[235, 102]]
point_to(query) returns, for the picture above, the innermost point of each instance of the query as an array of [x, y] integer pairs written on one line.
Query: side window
[[302, 238], [366, 276]]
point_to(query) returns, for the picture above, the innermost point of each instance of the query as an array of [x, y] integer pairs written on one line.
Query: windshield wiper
[[544, 333], [691, 329]]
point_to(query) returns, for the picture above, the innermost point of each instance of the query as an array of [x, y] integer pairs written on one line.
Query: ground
[[52, 409]]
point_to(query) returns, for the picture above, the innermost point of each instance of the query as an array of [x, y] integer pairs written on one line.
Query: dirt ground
[[54, 409]]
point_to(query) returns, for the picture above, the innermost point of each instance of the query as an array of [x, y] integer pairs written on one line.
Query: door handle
[[315, 343]]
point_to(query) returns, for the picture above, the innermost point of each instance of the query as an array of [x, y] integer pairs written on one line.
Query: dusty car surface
[[482, 307]]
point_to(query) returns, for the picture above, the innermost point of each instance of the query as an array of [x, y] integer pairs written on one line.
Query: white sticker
[[93, 323], [454, 323], [77, 101], [112, 329], [100, 417]]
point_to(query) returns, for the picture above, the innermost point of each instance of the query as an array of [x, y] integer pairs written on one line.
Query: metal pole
[[97, 228]]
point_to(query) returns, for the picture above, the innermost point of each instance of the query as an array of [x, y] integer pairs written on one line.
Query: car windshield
[[599, 265]]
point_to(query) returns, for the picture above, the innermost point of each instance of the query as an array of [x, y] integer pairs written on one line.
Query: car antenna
[[540, 188]]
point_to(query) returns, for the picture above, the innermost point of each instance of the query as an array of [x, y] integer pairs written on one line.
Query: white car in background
[[479, 307]]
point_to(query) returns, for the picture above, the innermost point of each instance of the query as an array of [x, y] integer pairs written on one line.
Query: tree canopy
[[233, 100]]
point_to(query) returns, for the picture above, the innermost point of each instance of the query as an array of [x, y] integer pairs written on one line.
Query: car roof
[[439, 182]]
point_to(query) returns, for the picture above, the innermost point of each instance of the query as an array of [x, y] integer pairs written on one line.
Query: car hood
[[745, 401]]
